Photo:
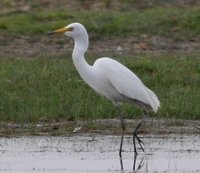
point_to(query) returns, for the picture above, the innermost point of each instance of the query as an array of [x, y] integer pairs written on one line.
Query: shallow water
[[99, 154]]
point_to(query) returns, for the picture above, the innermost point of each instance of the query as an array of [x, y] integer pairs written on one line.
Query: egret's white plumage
[[119, 84], [108, 77]]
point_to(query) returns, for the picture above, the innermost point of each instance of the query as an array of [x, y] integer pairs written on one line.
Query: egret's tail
[[155, 103]]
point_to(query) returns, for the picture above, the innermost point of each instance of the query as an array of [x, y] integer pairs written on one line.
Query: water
[[89, 153]]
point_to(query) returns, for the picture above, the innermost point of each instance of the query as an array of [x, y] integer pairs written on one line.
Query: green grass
[[175, 22], [44, 88]]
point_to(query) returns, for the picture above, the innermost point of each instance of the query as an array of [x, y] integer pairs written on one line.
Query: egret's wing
[[128, 84]]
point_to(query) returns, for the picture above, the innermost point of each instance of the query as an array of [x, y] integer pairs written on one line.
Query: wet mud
[[98, 153], [100, 126]]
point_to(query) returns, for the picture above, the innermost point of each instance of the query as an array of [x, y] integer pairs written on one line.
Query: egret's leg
[[134, 162], [123, 129], [135, 136], [122, 136]]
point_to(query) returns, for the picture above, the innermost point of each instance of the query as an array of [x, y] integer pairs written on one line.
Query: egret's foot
[[140, 142]]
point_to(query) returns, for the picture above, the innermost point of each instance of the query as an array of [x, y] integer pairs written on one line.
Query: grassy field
[[42, 88], [178, 23]]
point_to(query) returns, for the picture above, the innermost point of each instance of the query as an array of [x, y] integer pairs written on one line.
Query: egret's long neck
[[83, 68]]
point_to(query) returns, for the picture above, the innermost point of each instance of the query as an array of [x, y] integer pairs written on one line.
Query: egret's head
[[77, 32], [73, 30]]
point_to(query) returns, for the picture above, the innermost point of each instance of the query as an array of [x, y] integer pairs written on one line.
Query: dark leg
[[121, 144], [135, 136], [122, 136], [134, 162], [123, 129], [121, 163]]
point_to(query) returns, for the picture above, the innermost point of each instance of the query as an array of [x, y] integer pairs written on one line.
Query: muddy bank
[[43, 46], [107, 126]]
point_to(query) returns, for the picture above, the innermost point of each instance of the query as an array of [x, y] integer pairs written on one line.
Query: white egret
[[111, 79]]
